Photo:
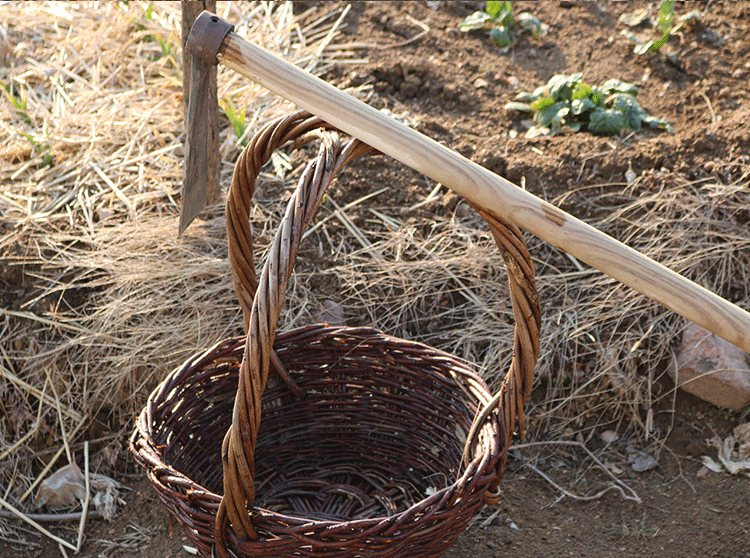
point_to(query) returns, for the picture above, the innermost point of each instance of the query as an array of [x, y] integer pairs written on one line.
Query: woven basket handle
[[261, 312]]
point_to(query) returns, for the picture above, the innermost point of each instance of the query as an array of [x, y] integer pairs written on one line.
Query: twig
[[619, 485], [431, 196], [577, 496], [86, 500], [36, 392], [345, 208], [710, 107], [45, 321], [60, 417], [19, 542], [354, 230], [51, 517], [36, 525]]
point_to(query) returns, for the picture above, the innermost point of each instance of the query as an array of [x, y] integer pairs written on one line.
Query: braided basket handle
[[261, 312]]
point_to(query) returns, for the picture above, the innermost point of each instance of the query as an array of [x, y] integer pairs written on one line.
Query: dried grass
[[91, 128], [119, 299], [604, 346]]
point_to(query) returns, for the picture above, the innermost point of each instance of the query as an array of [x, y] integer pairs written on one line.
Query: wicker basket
[[368, 446]]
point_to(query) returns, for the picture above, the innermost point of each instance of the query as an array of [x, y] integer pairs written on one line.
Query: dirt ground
[[453, 87]]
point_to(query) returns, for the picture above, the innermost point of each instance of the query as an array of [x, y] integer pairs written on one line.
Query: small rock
[[642, 462], [702, 472], [481, 83], [609, 436], [450, 200], [413, 79], [630, 175], [712, 369]]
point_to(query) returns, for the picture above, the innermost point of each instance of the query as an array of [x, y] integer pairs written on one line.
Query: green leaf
[[654, 122], [666, 15], [520, 107], [237, 118], [476, 22], [553, 117], [606, 121], [525, 96], [542, 103], [575, 126], [536, 131], [619, 86], [501, 36], [579, 106], [560, 87], [597, 95], [581, 91], [499, 11], [643, 48], [529, 23], [658, 43], [630, 109]]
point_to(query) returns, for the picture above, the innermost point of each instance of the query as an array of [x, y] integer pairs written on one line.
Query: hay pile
[[104, 298], [100, 296], [604, 347]]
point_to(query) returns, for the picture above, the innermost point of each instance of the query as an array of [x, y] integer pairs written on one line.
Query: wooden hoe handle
[[484, 189]]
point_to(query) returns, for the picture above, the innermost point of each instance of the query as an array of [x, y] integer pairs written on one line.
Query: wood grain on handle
[[489, 190]]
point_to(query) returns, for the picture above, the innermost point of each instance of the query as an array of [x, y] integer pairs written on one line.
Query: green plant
[[43, 149], [236, 117], [168, 47], [498, 19], [568, 101], [18, 99], [665, 26]]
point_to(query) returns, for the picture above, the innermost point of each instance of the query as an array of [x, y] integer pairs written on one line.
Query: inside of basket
[[382, 427]]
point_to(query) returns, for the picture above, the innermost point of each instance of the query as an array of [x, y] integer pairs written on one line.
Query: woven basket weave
[[369, 445]]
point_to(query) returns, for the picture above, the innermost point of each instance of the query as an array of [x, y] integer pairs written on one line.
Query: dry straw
[[90, 161], [103, 298]]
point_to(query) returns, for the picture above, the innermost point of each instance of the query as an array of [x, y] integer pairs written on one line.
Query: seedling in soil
[[503, 26], [665, 26], [236, 117], [18, 99], [568, 101]]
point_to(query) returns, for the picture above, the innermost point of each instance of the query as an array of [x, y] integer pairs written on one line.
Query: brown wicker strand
[[239, 448]]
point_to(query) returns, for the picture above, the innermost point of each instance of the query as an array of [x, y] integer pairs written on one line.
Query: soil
[[453, 87]]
